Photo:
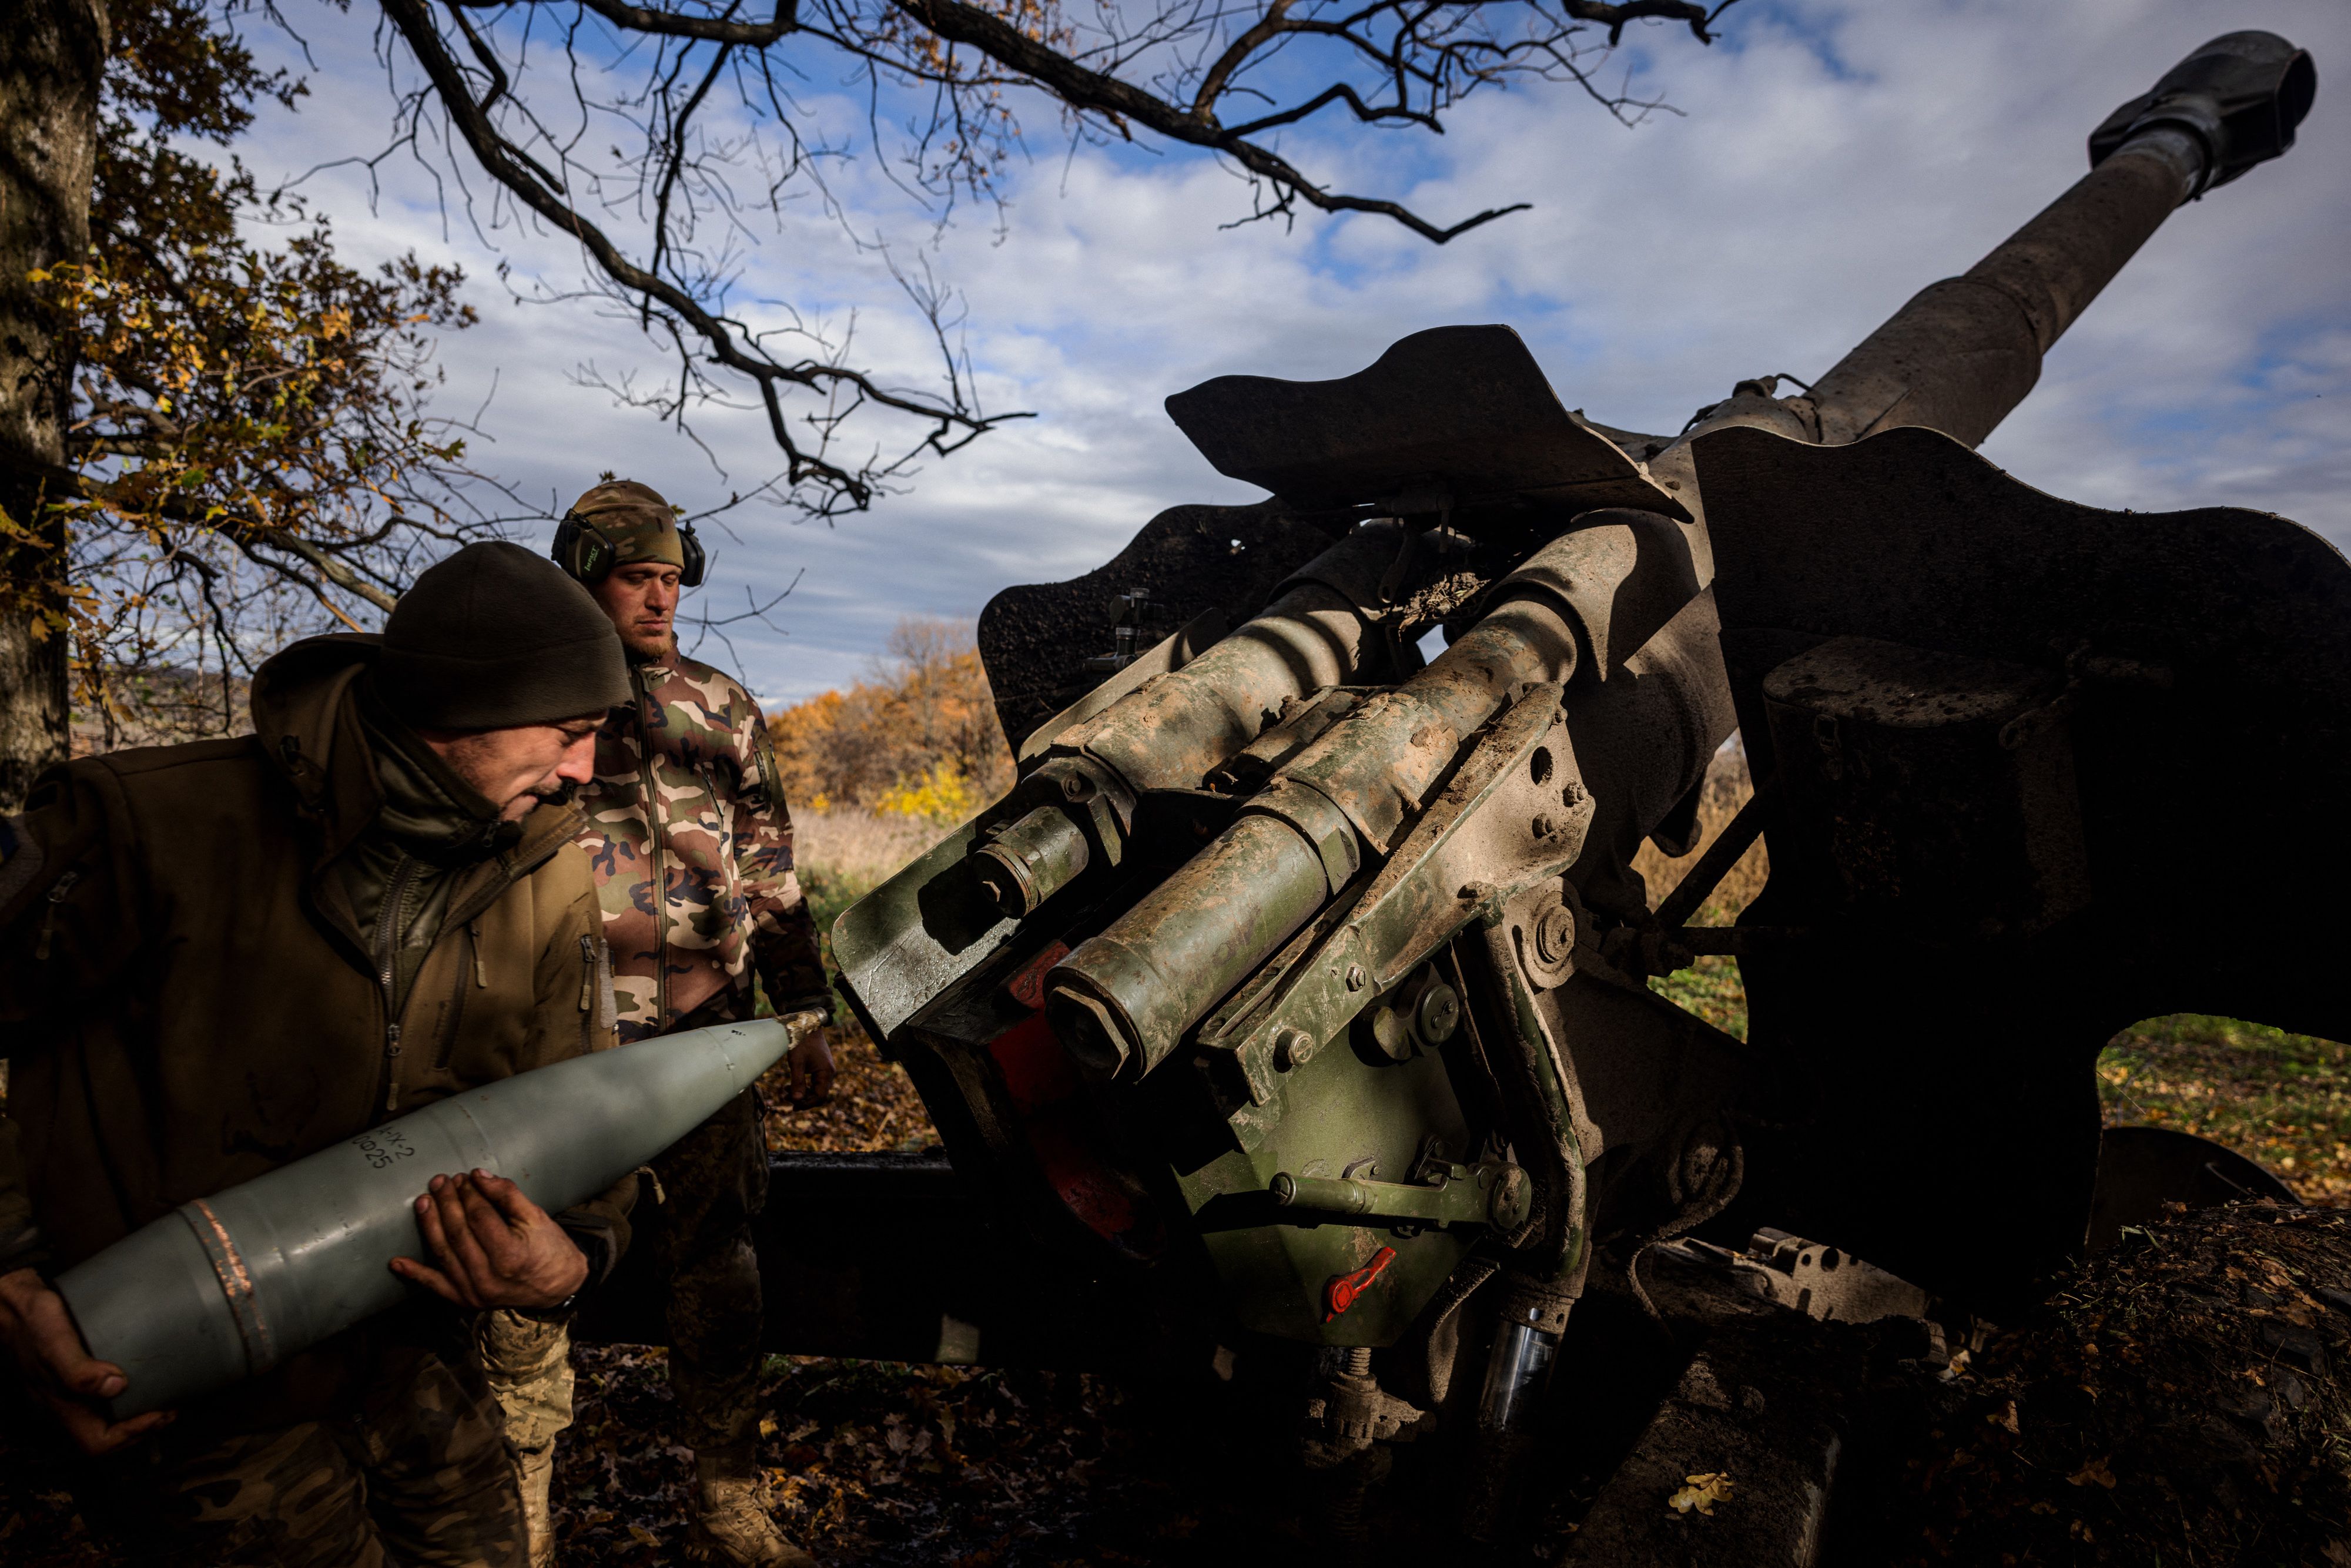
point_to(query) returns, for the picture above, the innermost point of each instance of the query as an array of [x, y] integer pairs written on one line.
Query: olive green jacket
[[187, 998]]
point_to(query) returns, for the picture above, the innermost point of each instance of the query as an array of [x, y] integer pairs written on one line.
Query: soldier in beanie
[[220, 957], [693, 848]]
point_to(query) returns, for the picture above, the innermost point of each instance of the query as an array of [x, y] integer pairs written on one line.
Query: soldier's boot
[[535, 1473], [731, 1525]]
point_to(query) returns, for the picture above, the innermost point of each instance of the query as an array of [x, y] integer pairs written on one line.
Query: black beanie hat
[[497, 635]]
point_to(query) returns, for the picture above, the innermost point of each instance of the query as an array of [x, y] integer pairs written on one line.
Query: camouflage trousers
[[696, 1243], [527, 1362], [713, 1183], [417, 1475]]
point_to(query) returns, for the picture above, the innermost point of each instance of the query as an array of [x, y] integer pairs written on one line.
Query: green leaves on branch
[[251, 454]]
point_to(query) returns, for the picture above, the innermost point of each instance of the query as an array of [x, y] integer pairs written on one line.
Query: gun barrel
[[228, 1287], [1967, 349]]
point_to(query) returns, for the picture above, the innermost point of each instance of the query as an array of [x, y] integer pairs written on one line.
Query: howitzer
[[1298, 992]]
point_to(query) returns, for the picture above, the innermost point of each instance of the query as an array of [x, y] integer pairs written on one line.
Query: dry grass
[[849, 848], [845, 853], [842, 855]]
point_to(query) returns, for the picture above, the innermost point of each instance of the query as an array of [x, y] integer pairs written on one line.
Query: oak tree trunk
[[51, 55]]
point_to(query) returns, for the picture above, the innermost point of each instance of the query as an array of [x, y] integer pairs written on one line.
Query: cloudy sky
[[1830, 157]]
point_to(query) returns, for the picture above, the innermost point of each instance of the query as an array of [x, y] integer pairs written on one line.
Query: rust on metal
[[235, 1282]]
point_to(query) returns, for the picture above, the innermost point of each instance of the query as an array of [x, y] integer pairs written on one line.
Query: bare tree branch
[[1166, 68], [722, 340], [326, 566], [671, 25]]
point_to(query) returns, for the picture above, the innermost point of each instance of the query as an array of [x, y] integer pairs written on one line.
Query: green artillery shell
[[229, 1286]]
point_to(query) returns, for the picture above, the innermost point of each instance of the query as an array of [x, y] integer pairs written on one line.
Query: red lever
[[1341, 1292]]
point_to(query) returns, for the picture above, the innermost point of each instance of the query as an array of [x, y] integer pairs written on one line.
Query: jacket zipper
[[387, 949], [650, 801], [58, 891], [588, 977], [466, 912]]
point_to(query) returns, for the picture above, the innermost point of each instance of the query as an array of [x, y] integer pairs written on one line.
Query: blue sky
[[1831, 157]]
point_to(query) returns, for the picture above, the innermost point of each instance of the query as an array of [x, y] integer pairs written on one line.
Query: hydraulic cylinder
[[1122, 1002], [1167, 734]]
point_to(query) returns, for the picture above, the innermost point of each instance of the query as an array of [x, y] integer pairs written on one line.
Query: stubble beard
[[652, 647]]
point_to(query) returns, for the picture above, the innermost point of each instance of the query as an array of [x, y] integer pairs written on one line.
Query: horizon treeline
[[917, 737]]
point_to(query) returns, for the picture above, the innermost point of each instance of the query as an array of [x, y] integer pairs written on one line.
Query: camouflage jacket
[[718, 842]]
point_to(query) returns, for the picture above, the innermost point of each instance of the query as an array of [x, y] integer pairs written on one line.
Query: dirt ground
[[2181, 1400], [2177, 1402]]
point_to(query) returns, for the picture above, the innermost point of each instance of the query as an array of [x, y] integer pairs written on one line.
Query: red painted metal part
[[1028, 987], [1341, 1292], [1049, 1097]]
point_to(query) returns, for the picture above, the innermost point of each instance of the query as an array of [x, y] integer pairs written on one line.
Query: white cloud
[[1832, 158]]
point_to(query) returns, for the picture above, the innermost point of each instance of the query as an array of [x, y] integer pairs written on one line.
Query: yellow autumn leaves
[[918, 739], [1699, 1493]]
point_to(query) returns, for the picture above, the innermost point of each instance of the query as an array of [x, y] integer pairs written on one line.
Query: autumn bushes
[[917, 740], [877, 773]]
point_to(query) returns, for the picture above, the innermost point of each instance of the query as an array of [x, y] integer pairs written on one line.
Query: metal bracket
[[1513, 816]]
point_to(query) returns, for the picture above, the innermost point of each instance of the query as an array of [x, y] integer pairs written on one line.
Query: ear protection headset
[[589, 554]]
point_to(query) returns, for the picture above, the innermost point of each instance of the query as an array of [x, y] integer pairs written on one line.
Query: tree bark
[[51, 58]]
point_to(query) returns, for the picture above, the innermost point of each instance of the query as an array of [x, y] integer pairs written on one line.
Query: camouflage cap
[[641, 525]]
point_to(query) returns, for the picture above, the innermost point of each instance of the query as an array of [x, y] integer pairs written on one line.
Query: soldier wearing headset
[[692, 847]]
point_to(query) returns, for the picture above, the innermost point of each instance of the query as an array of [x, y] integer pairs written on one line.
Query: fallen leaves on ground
[[2181, 1400], [1701, 1492], [2097, 1472], [2281, 1099], [873, 1108], [867, 1462]]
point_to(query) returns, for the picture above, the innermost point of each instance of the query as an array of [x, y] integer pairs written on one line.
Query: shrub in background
[[917, 737]]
